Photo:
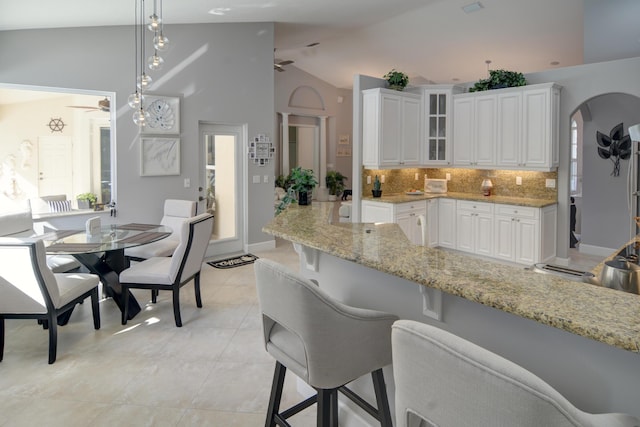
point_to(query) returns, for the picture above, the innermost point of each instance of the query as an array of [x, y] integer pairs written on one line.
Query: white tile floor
[[211, 372]]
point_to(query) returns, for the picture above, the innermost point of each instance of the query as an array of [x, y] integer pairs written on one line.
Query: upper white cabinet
[[391, 128], [438, 128], [474, 130], [513, 128]]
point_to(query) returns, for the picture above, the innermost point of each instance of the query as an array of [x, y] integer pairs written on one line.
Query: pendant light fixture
[[154, 62]]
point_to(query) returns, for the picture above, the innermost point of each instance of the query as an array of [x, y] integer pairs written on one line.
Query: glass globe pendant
[[160, 42], [154, 23], [155, 62], [140, 117], [144, 81], [135, 100]]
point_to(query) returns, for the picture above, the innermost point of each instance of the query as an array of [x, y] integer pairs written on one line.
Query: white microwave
[[435, 185]]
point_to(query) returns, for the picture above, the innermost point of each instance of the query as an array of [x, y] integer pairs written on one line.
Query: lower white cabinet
[[404, 214], [474, 227], [432, 222], [525, 235], [447, 223]]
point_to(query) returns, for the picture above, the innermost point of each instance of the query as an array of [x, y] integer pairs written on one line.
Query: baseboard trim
[[595, 250], [261, 246]]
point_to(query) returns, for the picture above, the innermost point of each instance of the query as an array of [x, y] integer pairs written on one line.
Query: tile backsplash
[[466, 181]]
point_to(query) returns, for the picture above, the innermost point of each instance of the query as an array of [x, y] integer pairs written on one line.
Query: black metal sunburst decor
[[616, 146]]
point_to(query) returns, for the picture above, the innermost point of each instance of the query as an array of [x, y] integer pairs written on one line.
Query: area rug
[[233, 262]]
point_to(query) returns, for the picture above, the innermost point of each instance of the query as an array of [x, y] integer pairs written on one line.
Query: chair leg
[[333, 420], [53, 338], [276, 394], [95, 308], [154, 296], [196, 286], [176, 306], [125, 309], [1, 338], [325, 408], [381, 398]]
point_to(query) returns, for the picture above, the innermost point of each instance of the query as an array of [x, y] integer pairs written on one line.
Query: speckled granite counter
[[518, 201], [598, 313]]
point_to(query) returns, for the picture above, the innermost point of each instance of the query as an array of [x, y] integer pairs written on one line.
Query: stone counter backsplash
[[466, 181]]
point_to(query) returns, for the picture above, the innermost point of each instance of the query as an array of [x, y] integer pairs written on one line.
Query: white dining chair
[[446, 381], [171, 273], [176, 212], [30, 290]]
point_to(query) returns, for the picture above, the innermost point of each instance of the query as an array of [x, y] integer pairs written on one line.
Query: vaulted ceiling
[[430, 40]]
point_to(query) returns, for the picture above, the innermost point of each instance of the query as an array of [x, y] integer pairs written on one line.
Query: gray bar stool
[[324, 342], [443, 380]]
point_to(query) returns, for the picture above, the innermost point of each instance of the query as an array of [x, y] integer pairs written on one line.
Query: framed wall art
[[164, 115], [159, 156]]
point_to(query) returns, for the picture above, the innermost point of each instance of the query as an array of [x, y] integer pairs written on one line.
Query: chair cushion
[[59, 205], [288, 348], [72, 285], [160, 248], [16, 223], [180, 208], [62, 263], [153, 270]]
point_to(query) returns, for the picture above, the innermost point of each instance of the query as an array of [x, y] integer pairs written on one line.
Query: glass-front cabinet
[[437, 121]]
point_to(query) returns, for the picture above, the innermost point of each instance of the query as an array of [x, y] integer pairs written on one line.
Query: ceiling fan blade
[[84, 107], [287, 62]]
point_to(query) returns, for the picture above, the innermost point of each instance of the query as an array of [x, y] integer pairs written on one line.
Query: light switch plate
[[518, 180], [448, 177], [550, 183], [369, 179], [256, 179]]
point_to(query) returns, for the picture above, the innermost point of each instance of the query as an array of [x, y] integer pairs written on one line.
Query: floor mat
[[233, 262]]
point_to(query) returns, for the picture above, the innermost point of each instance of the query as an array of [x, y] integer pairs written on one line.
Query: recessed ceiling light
[[554, 63], [472, 7], [219, 10]]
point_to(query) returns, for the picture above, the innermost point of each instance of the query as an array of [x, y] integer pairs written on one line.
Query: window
[[575, 179], [54, 142]]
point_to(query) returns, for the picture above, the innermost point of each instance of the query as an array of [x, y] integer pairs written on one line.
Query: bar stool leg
[[381, 398], [276, 394]]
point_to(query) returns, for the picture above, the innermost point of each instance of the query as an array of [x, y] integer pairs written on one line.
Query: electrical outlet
[[448, 177], [550, 183], [369, 179], [382, 179], [265, 179], [416, 176], [256, 179], [187, 183], [518, 180]]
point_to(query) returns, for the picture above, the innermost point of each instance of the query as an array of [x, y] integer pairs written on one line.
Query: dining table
[[101, 252]]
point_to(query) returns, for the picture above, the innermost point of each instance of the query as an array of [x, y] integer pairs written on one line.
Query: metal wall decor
[[56, 125], [261, 149], [615, 146]]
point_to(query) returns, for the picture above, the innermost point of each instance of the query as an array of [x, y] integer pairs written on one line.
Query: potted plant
[[302, 181], [335, 184], [499, 79], [377, 190], [86, 200], [397, 80]]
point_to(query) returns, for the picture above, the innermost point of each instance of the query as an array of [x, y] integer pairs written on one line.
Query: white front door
[[223, 187]]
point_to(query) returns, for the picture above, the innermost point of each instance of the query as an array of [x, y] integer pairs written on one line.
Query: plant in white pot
[[335, 184]]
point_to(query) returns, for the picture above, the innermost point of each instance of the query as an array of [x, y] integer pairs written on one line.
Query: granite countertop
[[518, 201], [599, 313]]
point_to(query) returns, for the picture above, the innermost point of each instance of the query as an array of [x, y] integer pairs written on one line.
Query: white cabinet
[[391, 128], [474, 130], [474, 227], [528, 127], [447, 223], [404, 214], [438, 127], [433, 219], [525, 235]]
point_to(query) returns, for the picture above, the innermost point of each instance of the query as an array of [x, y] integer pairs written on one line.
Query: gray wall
[[605, 218], [224, 72], [581, 83]]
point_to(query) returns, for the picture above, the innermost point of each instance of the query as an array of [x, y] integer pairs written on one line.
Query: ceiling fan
[[103, 105], [280, 64]]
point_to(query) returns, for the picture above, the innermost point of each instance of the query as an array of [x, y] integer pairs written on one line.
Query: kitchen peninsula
[[580, 338]]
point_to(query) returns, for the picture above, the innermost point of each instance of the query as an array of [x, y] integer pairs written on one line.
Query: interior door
[[55, 166], [223, 188]]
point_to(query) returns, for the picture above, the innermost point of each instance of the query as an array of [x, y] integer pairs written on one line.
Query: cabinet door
[[437, 128], [536, 133], [485, 130], [410, 132], [432, 222], [447, 223], [407, 224], [527, 241], [504, 238], [464, 230], [463, 132], [483, 234], [377, 212], [509, 129], [391, 122]]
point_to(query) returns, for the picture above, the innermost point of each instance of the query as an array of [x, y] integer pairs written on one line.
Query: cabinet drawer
[[475, 206], [518, 211], [411, 207]]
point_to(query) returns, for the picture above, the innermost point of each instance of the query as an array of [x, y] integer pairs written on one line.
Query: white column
[[284, 156], [323, 151]]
